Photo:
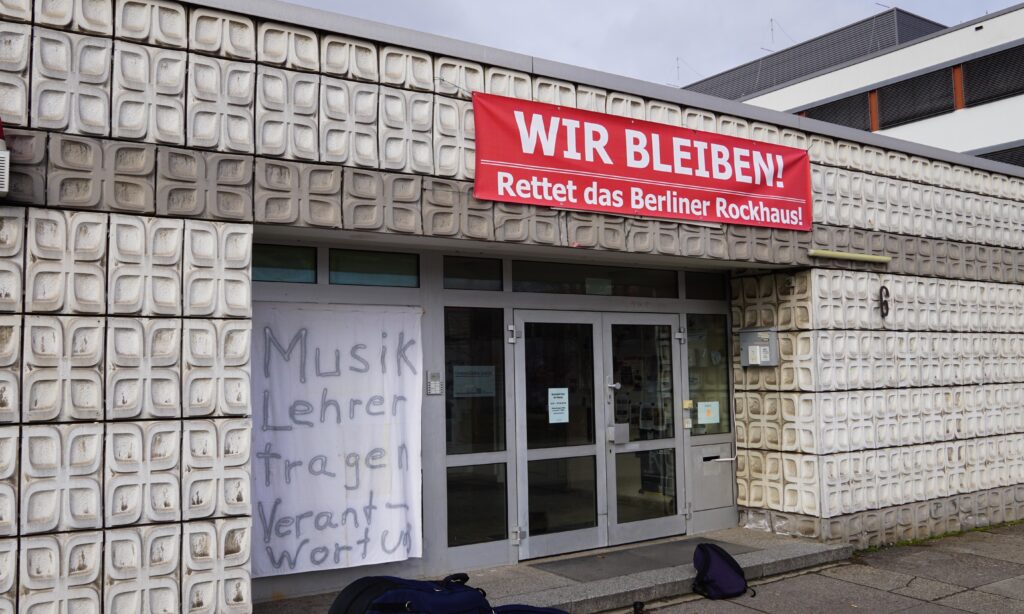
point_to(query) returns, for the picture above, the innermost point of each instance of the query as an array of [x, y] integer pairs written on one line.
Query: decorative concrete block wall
[[870, 416], [148, 135]]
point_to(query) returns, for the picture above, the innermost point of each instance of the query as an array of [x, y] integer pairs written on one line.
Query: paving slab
[[983, 603], [1005, 547], [931, 608], [706, 606], [866, 575], [957, 568], [927, 590], [1011, 587], [814, 593]]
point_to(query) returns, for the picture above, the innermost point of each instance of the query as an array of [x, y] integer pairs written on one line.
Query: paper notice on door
[[708, 412], [558, 405]]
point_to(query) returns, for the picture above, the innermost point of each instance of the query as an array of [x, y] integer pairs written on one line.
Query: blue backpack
[[384, 594], [719, 576]]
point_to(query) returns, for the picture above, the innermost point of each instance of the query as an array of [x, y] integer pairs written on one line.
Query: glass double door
[[599, 437]]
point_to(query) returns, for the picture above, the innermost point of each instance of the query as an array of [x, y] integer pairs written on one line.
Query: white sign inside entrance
[[336, 474]]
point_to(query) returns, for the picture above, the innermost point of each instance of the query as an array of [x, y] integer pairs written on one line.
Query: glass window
[[555, 278], [559, 372], [642, 368], [286, 263], [706, 286], [645, 484], [477, 504], [562, 494], [474, 354], [472, 273], [708, 357], [359, 268]]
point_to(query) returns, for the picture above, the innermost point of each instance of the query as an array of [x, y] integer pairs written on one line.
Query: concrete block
[[89, 16], [144, 273], [383, 202], [204, 185], [61, 573], [765, 133], [9, 441], [10, 368], [454, 138], [61, 478], [215, 468], [451, 210], [348, 122], [71, 82], [141, 482], [591, 98], [298, 194], [700, 240], [407, 69], [664, 113], [88, 173], [141, 567], [510, 83], [554, 91], [66, 262], [218, 256], [62, 372], [221, 99], [228, 35], [626, 105], [16, 10], [153, 22], [652, 236], [406, 131], [215, 567], [215, 368], [349, 58], [28, 166], [699, 119], [287, 46], [15, 43], [592, 230], [528, 224], [149, 93], [12, 257], [458, 78], [287, 112], [8, 576], [143, 368]]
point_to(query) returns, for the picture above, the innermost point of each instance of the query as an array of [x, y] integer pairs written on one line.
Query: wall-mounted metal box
[[759, 347]]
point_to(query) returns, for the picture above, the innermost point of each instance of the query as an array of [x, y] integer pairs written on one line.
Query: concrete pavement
[[979, 571]]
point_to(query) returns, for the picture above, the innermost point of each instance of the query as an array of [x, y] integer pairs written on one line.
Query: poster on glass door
[[336, 471]]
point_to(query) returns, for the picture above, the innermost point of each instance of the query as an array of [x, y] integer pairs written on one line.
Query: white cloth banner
[[336, 473]]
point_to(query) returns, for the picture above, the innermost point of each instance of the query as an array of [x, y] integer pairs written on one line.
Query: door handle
[[615, 386], [723, 460]]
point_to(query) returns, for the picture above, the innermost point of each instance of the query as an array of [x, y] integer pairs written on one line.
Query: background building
[[174, 163], [898, 74]]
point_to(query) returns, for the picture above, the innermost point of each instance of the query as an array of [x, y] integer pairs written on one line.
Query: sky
[[643, 38]]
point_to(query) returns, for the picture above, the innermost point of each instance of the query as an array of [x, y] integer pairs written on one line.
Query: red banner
[[542, 154]]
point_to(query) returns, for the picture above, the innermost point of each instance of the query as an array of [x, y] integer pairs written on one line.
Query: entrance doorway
[[599, 433]]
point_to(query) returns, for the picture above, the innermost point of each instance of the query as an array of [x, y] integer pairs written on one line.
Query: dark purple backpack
[[719, 576]]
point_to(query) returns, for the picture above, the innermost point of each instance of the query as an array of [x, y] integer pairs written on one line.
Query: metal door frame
[[667, 525]]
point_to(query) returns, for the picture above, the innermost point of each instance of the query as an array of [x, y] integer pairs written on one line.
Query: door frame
[[565, 541], [621, 533], [604, 450]]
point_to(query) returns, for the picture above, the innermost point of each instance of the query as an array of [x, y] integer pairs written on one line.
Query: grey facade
[[135, 203]]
